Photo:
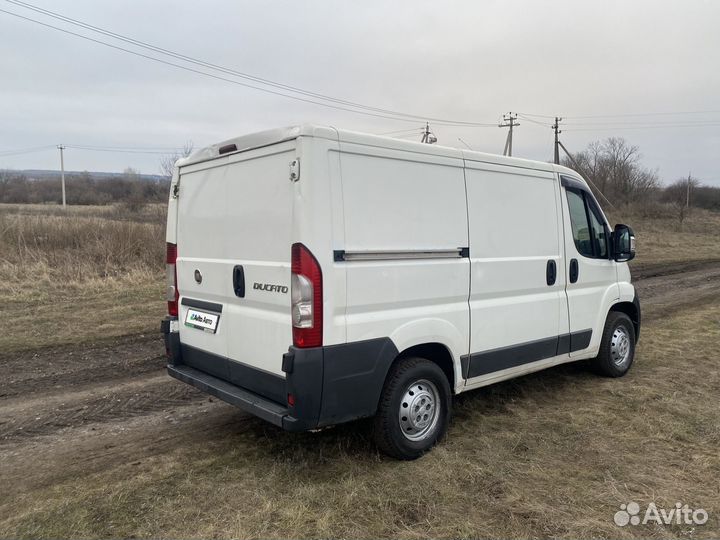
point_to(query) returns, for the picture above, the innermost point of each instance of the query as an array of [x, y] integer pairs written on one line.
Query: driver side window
[[588, 228]]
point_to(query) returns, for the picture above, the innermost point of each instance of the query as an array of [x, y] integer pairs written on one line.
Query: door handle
[[551, 272], [239, 281], [574, 270]]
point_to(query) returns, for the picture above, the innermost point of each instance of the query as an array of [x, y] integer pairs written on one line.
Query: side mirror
[[623, 243]]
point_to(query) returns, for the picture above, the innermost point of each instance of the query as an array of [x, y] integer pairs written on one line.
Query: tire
[[413, 383], [617, 348]]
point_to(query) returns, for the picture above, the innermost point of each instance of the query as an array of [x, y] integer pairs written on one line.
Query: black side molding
[[485, 362]]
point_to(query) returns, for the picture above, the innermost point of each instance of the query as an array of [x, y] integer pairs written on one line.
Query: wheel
[[414, 409], [617, 348]]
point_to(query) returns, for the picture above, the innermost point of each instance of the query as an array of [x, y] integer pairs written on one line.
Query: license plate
[[201, 320]]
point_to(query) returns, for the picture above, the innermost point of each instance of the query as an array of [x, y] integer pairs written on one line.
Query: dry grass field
[[662, 240], [96, 441], [80, 274]]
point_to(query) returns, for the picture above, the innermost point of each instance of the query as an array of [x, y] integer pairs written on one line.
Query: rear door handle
[[239, 281], [551, 272], [574, 270]]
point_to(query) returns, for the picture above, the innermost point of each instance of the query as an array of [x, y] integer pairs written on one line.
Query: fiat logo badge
[[198, 277]]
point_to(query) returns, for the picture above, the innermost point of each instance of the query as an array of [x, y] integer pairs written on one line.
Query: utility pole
[[509, 121], [428, 136], [61, 147], [687, 195], [556, 129]]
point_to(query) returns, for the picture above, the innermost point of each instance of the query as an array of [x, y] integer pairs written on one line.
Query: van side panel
[[515, 234], [318, 224], [405, 209]]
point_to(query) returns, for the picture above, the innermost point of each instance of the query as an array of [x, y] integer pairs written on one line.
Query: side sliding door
[[518, 306]]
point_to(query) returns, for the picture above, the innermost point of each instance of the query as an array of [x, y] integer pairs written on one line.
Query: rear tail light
[[171, 278], [307, 295]]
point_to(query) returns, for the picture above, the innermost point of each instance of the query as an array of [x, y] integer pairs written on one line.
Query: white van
[[317, 276]]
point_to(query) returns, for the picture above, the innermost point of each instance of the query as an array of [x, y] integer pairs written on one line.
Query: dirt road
[[76, 410]]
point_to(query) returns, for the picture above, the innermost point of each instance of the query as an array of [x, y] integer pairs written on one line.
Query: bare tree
[[167, 163], [135, 200], [678, 195], [614, 167]]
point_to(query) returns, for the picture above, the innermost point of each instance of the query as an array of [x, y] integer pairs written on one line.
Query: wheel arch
[[435, 352], [632, 310]]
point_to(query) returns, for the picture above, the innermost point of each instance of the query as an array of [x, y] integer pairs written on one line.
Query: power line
[[159, 60], [311, 96], [621, 123], [649, 126], [196, 61], [413, 135], [121, 150], [623, 114], [544, 124], [5, 153], [129, 150], [105, 147], [408, 130]]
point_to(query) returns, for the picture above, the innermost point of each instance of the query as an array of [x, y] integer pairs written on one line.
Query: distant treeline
[[612, 166], [83, 189], [615, 171], [706, 197]]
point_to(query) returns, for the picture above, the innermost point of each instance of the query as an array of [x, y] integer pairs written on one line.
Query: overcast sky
[[456, 60]]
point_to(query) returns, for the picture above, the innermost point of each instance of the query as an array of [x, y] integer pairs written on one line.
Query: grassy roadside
[[49, 312], [661, 240], [553, 454], [78, 275]]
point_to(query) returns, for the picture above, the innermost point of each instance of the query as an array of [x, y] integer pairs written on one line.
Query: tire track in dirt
[[61, 368], [124, 399], [662, 294]]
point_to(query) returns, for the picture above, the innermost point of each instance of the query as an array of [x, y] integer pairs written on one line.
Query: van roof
[[274, 136]]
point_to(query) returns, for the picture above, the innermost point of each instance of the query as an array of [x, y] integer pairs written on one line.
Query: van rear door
[[234, 231]]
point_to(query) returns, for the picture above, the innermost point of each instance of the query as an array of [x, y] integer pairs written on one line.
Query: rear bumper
[[329, 385], [234, 395]]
